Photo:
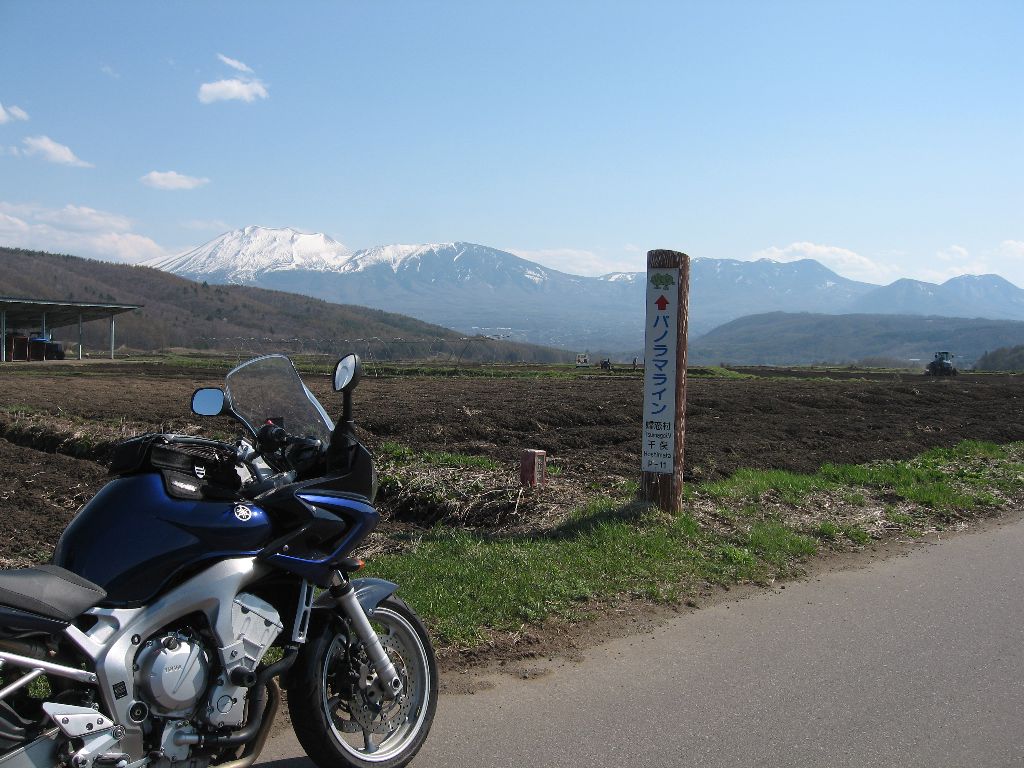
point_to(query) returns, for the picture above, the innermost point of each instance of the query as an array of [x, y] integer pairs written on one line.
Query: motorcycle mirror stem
[[347, 373]]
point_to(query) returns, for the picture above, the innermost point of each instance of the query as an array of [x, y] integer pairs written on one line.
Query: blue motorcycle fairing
[[337, 523], [133, 539]]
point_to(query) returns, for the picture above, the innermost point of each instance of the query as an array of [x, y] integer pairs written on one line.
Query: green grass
[[23, 410], [401, 454], [716, 372], [791, 487], [941, 478], [464, 582], [777, 544]]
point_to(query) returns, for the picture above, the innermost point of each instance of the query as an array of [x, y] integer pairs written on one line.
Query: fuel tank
[[133, 539]]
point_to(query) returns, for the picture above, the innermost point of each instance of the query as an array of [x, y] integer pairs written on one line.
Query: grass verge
[[754, 527]]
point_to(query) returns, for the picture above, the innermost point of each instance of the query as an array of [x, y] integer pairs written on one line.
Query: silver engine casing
[[255, 625], [173, 674]]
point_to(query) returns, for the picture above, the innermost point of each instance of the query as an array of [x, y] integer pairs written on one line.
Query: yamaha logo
[[200, 471], [243, 513]]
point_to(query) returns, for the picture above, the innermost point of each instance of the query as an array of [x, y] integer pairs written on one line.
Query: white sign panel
[[662, 294]]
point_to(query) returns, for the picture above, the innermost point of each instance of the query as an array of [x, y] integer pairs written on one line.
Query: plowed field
[[589, 425]]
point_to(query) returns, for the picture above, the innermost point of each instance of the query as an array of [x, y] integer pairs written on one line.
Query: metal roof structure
[[24, 313], [32, 314]]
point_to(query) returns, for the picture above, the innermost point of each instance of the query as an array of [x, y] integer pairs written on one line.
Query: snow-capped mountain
[[450, 263], [478, 289], [244, 255], [989, 296]]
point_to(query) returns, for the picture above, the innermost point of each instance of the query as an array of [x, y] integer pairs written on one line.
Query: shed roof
[[25, 313]]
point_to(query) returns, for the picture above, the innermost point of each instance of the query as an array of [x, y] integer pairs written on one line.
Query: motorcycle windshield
[[269, 389]]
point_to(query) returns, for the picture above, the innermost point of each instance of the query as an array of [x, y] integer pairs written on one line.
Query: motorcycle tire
[[337, 721]]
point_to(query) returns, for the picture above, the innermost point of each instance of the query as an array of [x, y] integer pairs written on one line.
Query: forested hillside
[[786, 338], [182, 313], [1002, 359]]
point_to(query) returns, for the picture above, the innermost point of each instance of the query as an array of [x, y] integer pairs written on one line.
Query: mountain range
[[177, 312], [479, 289]]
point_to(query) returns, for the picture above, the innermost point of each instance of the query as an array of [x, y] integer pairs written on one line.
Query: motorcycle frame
[[115, 638]]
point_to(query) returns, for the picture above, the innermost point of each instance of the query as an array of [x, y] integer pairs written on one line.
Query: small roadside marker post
[[664, 427], [532, 466]]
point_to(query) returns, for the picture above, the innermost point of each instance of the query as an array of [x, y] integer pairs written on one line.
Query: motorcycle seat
[[48, 590]]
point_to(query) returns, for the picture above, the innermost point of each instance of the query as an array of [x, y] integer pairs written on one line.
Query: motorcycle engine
[[173, 672]]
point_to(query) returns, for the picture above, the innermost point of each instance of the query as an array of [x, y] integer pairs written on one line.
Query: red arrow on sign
[[661, 303]]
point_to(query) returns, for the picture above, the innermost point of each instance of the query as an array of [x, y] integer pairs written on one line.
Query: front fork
[[344, 595]]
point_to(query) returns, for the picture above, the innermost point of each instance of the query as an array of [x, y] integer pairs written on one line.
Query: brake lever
[[245, 452]]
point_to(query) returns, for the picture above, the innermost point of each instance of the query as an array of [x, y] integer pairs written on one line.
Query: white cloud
[[127, 246], [53, 152], [1005, 260], [1013, 249], [841, 260], [577, 261], [172, 180], [108, 70], [232, 90], [955, 253], [235, 63], [243, 88], [7, 114], [80, 218], [74, 229]]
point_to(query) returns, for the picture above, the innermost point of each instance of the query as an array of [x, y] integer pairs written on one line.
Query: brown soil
[[589, 426], [38, 497]]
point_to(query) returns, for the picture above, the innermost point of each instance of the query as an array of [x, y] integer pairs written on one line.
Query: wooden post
[[3, 335], [664, 428], [79, 335], [111, 337]]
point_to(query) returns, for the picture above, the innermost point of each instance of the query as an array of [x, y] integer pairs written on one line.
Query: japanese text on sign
[[658, 450]]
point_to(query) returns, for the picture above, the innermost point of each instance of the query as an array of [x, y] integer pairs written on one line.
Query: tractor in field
[[942, 365]]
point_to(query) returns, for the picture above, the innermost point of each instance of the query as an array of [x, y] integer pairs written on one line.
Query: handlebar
[[267, 484], [275, 437]]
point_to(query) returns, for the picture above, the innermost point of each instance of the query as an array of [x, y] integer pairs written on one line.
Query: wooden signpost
[[664, 428]]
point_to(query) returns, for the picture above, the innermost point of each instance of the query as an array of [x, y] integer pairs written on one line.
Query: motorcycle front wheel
[[337, 716]]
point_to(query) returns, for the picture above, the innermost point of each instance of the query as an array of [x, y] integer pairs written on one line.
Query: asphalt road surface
[[910, 661]]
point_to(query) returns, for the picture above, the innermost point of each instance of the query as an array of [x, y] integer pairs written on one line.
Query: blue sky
[[885, 139]]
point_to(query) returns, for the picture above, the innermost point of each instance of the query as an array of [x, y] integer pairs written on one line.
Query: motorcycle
[[201, 579]]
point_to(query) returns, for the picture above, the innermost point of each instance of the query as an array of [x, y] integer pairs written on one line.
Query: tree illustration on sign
[[662, 280]]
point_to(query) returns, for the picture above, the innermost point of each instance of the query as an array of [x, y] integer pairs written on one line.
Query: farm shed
[[36, 313]]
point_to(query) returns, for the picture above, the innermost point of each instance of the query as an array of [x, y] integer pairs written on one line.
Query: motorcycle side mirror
[[208, 401], [347, 373]]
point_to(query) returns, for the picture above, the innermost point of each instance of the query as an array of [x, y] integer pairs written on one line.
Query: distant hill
[[964, 296], [1002, 359], [784, 338], [470, 287], [183, 313]]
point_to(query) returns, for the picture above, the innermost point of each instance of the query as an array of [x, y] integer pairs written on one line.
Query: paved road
[[912, 661]]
